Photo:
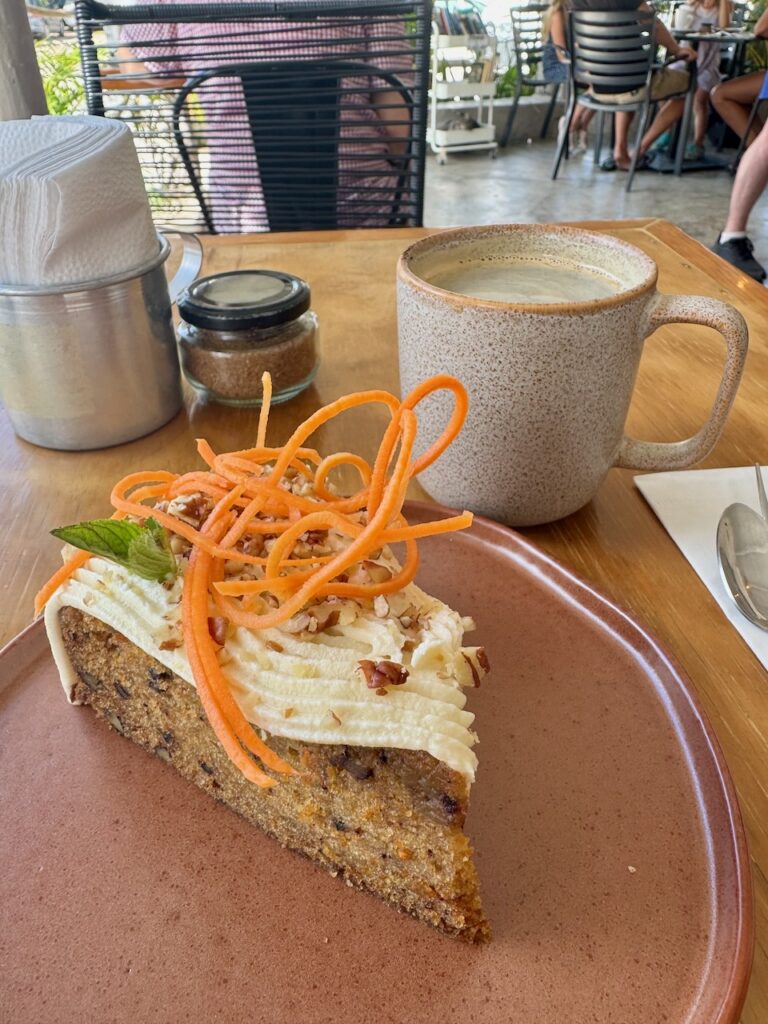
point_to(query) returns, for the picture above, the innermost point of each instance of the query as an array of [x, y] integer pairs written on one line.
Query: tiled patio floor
[[473, 189]]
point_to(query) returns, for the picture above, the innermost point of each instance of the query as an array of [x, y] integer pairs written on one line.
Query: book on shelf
[[451, 22], [481, 71]]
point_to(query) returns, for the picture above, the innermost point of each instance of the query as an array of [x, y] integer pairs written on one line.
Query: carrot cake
[[249, 624]]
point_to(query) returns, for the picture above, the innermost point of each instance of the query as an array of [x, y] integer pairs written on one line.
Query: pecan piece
[[383, 673], [217, 627]]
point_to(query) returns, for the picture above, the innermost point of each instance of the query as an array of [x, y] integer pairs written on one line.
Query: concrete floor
[[473, 189]]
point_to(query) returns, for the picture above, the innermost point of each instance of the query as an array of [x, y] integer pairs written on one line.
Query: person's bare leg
[[749, 184], [622, 121], [700, 117], [733, 101], [751, 179], [668, 114], [582, 117]]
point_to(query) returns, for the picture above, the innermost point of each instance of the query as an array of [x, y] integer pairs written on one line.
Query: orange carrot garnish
[[253, 498]]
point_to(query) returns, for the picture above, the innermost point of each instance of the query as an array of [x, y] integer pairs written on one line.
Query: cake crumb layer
[[388, 821]]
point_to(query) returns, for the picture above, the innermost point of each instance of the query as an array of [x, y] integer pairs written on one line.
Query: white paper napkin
[[689, 505], [73, 207]]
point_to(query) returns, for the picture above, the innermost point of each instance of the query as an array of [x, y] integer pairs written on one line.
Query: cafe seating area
[[383, 479]]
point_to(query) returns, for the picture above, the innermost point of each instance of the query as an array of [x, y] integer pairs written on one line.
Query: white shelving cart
[[463, 67]]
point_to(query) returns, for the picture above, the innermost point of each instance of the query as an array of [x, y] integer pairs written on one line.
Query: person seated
[[698, 16], [375, 130], [554, 63], [733, 99], [664, 83]]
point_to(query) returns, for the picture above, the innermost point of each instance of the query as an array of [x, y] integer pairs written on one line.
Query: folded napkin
[[689, 505], [73, 207]]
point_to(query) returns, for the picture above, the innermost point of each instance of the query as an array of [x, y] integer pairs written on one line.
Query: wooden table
[[615, 542]]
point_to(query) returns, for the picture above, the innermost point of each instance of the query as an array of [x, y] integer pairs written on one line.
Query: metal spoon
[[742, 551]]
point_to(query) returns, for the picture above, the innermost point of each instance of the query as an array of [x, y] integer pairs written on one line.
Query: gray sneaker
[[739, 252]]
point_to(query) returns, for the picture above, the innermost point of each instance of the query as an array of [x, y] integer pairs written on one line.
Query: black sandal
[[609, 164]]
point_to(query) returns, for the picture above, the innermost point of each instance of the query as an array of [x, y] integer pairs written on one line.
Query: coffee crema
[[523, 281]]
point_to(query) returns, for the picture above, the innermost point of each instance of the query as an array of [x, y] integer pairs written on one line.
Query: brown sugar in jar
[[236, 326]]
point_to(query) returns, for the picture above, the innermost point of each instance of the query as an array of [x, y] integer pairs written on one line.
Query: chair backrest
[[528, 40], [330, 94], [611, 51], [294, 112]]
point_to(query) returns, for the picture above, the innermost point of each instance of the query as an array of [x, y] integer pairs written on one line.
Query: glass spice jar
[[236, 326]]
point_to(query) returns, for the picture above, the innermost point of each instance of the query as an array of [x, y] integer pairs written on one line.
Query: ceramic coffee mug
[[545, 327]]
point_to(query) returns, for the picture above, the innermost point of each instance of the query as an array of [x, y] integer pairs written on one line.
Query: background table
[[615, 542]]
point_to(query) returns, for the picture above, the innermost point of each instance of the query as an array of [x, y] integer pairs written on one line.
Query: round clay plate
[[609, 845]]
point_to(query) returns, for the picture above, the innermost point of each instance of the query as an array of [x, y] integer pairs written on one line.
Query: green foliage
[[62, 79], [505, 84]]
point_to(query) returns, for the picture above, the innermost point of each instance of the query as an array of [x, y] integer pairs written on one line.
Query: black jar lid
[[242, 299]]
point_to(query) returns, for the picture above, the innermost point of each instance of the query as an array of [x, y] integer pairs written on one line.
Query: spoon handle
[[761, 492]]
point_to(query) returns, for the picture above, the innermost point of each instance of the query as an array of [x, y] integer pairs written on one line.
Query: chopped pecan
[[252, 545], [315, 537], [383, 673], [378, 573], [482, 660], [191, 508], [472, 669], [217, 627], [298, 623], [325, 622]]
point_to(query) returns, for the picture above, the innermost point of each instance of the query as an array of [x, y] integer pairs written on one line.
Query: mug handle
[[191, 261], [693, 309]]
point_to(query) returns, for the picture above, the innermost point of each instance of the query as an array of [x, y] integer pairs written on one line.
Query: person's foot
[[693, 151], [662, 143], [739, 253], [577, 142]]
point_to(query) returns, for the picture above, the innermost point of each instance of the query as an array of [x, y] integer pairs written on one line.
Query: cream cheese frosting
[[307, 685]]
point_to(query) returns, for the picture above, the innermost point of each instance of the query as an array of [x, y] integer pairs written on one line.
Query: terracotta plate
[[609, 844]]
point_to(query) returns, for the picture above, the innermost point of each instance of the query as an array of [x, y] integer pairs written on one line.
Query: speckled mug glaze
[[549, 384]]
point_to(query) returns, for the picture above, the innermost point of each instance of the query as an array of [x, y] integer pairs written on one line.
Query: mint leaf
[[145, 550]]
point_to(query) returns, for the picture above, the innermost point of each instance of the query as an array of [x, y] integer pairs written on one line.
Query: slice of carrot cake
[[250, 625]]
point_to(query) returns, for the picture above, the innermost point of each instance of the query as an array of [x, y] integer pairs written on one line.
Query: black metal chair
[[528, 42], [294, 116], [268, 114], [612, 52]]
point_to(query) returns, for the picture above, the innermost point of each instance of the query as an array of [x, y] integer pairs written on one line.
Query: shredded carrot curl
[[283, 495]]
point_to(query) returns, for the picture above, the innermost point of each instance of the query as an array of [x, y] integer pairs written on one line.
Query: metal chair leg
[[550, 111], [562, 142], [599, 137], [685, 124], [641, 130], [745, 136], [511, 116]]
